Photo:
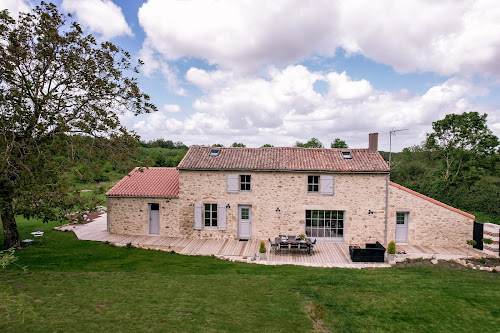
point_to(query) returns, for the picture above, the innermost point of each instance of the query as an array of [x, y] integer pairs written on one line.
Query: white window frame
[[213, 218], [245, 182], [313, 184]]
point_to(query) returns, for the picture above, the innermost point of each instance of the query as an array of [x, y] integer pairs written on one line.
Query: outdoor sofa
[[372, 253]]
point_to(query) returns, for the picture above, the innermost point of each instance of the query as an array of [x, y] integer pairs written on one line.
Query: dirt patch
[[427, 262], [485, 262], [83, 218]]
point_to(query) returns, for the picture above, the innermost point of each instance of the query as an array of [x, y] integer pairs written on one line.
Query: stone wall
[[355, 194], [130, 216], [491, 231], [429, 224]]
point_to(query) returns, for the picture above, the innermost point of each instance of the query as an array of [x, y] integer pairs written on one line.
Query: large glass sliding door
[[327, 225]]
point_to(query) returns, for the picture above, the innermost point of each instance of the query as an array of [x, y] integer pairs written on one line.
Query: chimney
[[373, 142]]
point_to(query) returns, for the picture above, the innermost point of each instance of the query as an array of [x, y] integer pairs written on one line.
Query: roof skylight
[[346, 154], [214, 152]]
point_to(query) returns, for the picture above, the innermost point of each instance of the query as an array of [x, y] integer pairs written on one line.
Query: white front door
[[244, 222], [401, 227], [154, 218]]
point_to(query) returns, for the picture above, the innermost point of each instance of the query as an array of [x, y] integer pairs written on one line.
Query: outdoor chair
[[303, 246], [26, 240], [294, 246], [311, 250], [283, 246], [274, 246], [292, 237], [373, 252]]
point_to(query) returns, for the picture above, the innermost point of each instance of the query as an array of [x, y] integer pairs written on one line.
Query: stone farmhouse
[[336, 195]]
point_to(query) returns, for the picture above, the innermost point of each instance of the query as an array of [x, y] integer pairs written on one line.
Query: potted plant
[[302, 236], [391, 252], [262, 250]]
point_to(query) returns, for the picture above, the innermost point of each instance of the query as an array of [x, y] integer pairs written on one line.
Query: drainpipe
[[386, 206], [107, 215]]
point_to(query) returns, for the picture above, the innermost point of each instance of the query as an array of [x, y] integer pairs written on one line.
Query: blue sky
[[285, 71]]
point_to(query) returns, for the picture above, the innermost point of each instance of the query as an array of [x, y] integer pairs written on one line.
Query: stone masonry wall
[[492, 231], [428, 224], [353, 193], [130, 216]]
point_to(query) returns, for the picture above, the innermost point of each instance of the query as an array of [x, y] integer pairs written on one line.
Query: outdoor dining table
[[288, 241]]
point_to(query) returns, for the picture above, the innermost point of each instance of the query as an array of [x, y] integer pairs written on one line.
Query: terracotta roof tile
[[148, 182], [283, 159], [434, 201]]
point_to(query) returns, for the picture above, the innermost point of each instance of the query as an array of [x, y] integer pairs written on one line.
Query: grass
[[73, 285]]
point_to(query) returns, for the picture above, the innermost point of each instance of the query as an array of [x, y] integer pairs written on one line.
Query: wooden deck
[[325, 254]]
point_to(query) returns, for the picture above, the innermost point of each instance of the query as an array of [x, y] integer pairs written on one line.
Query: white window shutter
[[197, 216], [221, 217], [232, 183], [326, 184]]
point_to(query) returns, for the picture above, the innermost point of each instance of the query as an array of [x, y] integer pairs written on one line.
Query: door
[[244, 222], [154, 218], [401, 227]]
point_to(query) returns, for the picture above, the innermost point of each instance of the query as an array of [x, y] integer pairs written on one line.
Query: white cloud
[[99, 16], [16, 6], [447, 37], [155, 63], [173, 108], [284, 107]]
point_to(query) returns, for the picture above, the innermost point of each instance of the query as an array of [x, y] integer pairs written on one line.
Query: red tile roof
[[439, 203], [283, 159], [148, 182]]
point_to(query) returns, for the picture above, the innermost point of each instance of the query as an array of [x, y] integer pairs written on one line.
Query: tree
[[267, 145], [236, 144], [218, 145], [337, 143], [61, 94], [312, 143], [459, 135]]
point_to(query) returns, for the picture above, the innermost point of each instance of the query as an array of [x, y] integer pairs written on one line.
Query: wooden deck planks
[[325, 253]]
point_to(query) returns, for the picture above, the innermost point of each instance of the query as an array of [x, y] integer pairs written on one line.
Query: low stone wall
[[492, 231]]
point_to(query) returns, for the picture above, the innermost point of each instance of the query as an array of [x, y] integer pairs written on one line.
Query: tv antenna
[[391, 133]]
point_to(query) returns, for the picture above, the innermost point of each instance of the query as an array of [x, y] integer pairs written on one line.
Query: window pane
[[308, 214]]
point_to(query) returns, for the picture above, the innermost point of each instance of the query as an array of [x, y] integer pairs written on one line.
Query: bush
[[391, 248], [262, 248]]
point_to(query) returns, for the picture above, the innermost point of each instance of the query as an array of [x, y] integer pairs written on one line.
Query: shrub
[[391, 248], [262, 248], [487, 241]]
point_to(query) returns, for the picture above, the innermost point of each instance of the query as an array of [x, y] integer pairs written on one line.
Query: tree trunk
[[10, 233]]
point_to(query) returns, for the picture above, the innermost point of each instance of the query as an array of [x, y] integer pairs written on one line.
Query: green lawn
[[74, 286]]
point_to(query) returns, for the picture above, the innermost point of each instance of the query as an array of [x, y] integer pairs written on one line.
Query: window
[[214, 152], [210, 215], [346, 154], [400, 218], [245, 213], [313, 184], [325, 224], [244, 182]]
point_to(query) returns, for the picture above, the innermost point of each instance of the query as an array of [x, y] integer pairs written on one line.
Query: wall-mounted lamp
[[370, 212], [228, 206], [278, 210]]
